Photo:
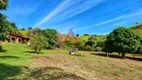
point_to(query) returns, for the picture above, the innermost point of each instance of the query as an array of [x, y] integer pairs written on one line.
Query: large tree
[[3, 4], [51, 37], [3, 21], [122, 40]]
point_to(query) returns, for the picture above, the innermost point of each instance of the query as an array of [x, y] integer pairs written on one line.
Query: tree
[[92, 41], [12, 28], [3, 21], [34, 32], [86, 34], [23, 29], [51, 36], [122, 40], [3, 4], [30, 28], [77, 35], [37, 43]]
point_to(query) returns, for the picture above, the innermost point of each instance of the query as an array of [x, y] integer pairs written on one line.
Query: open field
[[17, 62]]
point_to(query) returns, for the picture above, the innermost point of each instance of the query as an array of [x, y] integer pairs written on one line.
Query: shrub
[[98, 49], [89, 48], [37, 43], [51, 37], [68, 45]]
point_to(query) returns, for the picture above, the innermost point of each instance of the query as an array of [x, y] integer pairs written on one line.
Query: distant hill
[[85, 38], [137, 29], [24, 32]]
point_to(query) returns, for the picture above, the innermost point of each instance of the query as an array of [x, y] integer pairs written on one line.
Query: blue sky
[[84, 16]]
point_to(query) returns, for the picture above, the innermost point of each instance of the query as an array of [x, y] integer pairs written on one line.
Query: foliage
[[98, 49], [77, 35], [122, 40], [23, 29], [86, 35], [34, 32], [81, 45], [51, 37], [3, 4], [89, 48], [84, 38], [37, 43], [92, 41], [68, 45], [3, 24], [30, 28], [12, 28]]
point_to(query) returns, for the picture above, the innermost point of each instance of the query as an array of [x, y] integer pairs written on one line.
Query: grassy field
[[18, 63]]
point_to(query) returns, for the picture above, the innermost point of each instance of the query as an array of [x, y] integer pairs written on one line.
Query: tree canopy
[[122, 40], [51, 36], [3, 4]]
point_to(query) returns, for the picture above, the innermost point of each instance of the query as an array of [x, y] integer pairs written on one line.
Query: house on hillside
[[17, 38]]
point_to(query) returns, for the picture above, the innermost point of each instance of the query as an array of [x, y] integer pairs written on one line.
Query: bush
[[37, 43], [89, 48], [68, 45], [98, 49]]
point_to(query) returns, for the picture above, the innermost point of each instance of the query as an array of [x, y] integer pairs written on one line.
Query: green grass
[[24, 32], [85, 38], [17, 63]]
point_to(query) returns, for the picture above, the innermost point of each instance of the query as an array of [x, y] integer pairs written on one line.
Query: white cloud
[[112, 20], [69, 8], [53, 13]]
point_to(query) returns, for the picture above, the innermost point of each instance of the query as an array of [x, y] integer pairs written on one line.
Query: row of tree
[[122, 40], [42, 38]]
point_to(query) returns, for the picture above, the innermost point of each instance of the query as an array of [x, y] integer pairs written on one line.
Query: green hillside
[[85, 38], [24, 32], [137, 29]]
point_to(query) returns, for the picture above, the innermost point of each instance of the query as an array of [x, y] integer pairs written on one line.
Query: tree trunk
[[123, 55], [133, 55], [0, 47], [107, 54]]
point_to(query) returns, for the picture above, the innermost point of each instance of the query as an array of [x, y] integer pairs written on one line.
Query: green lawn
[[18, 63]]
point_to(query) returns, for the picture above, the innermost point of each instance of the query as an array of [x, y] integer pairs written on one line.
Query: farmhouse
[[17, 38]]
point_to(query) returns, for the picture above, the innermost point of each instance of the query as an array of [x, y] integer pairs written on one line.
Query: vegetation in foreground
[[18, 62]]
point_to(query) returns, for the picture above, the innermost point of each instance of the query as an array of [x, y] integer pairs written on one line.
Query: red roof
[[18, 35]]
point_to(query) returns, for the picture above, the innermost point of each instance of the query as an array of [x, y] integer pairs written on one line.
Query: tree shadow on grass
[[134, 58], [8, 71], [110, 55], [7, 57], [117, 56], [3, 50], [33, 52], [53, 73]]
